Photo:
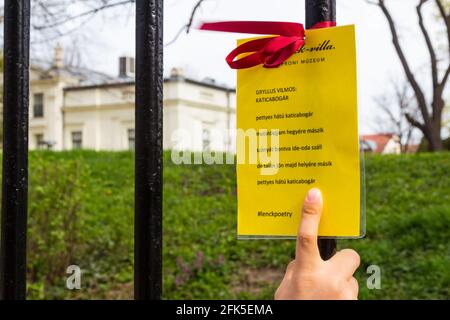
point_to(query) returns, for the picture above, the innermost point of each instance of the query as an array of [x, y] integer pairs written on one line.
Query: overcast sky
[[201, 54]]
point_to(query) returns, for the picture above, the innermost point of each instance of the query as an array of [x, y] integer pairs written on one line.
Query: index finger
[[307, 248]]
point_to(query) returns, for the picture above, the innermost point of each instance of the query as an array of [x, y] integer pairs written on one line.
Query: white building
[[72, 108]]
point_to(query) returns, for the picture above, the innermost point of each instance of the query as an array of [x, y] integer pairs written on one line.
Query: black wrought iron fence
[[148, 152]]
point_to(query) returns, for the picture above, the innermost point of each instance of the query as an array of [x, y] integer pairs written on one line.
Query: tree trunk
[[435, 141]]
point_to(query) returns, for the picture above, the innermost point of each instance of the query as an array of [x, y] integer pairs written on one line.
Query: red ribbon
[[270, 51]]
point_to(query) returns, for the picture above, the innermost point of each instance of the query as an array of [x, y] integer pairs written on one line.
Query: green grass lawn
[[81, 212]]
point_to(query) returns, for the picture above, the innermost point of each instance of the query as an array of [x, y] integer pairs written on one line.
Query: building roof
[[89, 79], [377, 141], [131, 82], [85, 76]]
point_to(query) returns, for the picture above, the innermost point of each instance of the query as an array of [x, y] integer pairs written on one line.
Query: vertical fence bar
[[15, 150], [148, 160], [319, 11]]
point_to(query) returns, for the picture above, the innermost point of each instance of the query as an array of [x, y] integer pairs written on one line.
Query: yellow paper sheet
[[311, 99]]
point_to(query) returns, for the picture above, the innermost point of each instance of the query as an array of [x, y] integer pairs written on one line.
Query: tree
[[395, 105], [52, 19], [54, 16], [430, 112]]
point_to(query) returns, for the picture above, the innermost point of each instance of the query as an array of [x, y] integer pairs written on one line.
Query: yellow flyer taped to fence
[[297, 128]]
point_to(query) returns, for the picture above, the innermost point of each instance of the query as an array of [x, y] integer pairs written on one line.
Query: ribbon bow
[[270, 51]]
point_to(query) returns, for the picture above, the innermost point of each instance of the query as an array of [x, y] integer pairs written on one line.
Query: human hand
[[309, 277]]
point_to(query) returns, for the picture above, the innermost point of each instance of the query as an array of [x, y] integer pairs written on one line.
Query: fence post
[[319, 11], [15, 150], [148, 154]]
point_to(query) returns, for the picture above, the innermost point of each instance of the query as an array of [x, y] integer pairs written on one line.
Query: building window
[[206, 140], [126, 67], [38, 105], [77, 140], [131, 139], [39, 138]]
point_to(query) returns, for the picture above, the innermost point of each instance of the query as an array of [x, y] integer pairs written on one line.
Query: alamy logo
[[73, 281], [374, 280]]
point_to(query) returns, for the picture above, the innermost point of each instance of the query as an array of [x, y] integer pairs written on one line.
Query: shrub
[[55, 222], [81, 212]]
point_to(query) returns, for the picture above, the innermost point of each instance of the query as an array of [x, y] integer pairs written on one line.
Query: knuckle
[[351, 254], [310, 209], [355, 256], [305, 240]]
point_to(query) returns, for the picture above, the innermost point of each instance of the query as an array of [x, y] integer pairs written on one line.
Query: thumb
[[307, 248]]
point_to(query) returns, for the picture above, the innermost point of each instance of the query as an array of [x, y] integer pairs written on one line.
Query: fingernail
[[313, 195]]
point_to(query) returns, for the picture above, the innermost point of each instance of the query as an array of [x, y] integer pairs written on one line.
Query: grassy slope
[[408, 230]]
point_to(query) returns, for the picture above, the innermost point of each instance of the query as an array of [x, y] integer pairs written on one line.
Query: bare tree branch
[[91, 12], [187, 27], [421, 101], [194, 11], [416, 123], [431, 125], [444, 79], [446, 18], [60, 33], [398, 106], [386, 108], [177, 35], [434, 70]]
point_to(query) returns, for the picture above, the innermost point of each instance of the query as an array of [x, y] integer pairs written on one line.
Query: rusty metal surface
[[148, 156], [15, 150]]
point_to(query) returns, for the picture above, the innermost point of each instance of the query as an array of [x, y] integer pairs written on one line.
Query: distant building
[[384, 143], [74, 108]]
